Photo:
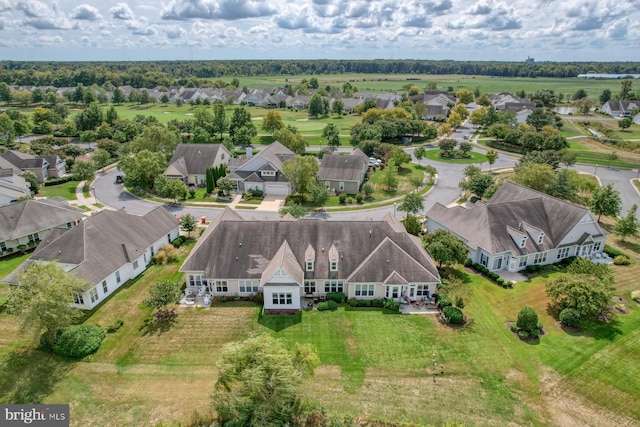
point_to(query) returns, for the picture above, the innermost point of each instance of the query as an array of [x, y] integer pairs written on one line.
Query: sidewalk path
[[87, 202]]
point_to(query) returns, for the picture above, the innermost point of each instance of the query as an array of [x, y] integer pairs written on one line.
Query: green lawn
[[9, 263], [66, 190]]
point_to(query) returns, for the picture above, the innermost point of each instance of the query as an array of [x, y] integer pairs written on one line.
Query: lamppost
[[394, 209], [596, 172]]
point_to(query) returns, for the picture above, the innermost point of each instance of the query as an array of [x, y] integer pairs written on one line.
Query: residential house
[[191, 161], [636, 119], [518, 227], [619, 108], [348, 104], [24, 224], [438, 103], [344, 174], [263, 171], [43, 167], [12, 187], [288, 259], [107, 249], [386, 101]]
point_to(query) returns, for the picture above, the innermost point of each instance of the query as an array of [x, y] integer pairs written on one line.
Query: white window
[[333, 265], [334, 285], [309, 265], [93, 293], [562, 253], [105, 288], [135, 264], [69, 225], [328, 184], [597, 246], [309, 286], [540, 257], [3, 246], [366, 290], [248, 286], [422, 290], [523, 261], [484, 260], [32, 237], [78, 299], [540, 238], [523, 242], [282, 298], [221, 286], [268, 173], [341, 186], [117, 276], [195, 280]]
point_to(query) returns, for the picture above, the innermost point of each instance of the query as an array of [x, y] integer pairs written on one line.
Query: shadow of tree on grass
[[28, 376]]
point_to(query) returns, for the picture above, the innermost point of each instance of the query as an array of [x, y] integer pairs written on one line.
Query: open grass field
[[486, 84], [372, 363], [66, 190]]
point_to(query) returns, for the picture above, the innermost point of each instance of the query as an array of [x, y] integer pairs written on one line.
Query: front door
[[412, 292], [393, 292], [586, 250]]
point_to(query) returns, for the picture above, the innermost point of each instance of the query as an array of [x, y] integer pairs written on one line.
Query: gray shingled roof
[[196, 158], [104, 242], [235, 248], [336, 167], [511, 207], [30, 216]]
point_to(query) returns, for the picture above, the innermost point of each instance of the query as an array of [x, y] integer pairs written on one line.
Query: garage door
[[277, 190]]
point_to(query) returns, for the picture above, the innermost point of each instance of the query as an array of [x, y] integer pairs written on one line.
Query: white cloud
[[33, 8], [121, 11], [220, 9], [86, 12], [174, 31]]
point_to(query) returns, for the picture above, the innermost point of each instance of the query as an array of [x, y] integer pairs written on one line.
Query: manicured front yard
[[66, 190], [372, 363]]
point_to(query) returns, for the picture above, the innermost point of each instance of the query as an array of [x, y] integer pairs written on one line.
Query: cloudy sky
[[507, 30]]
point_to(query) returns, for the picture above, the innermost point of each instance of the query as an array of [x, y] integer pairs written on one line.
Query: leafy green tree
[[318, 193], [462, 111], [579, 94], [225, 184], [332, 134], [118, 96], [457, 290], [586, 293], [527, 319], [412, 204], [301, 172], [161, 295], [90, 118], [412, 225], [245, 134], [157, 139], [627, 226], [478, 184], [316, 106], [111, 116], [540, 118], [625, 123], [292, 139], [454, 120], [219, 124], [110, 146], [535, 176], [258, 380], [7, 129], [5, 92], [295, 210], [464, 96], [625, 90], [100, 158], [43, 299], [143, 167], [446, 248], [492, 156], [419, 153], [21, 97], [447, 146], [188, 223], [83, 171], [605, 201], [337, 107], [31, 178], [584, 106], [272, 122], [240, 117], [170, 188], [390, 177], [605, 96]]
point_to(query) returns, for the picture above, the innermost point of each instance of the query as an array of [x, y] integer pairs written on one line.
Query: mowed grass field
[[372, 363]]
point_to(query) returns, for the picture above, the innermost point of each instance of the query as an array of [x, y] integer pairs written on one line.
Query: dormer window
[[268, 173], [523, 242], [333, 258], [309, 265], [540, 238], [333, 266]]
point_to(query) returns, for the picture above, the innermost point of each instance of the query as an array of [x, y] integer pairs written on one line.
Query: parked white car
[[374, 162]]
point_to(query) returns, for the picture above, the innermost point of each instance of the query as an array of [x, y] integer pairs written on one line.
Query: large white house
[[106, 249], [518, 227], [289, 259]]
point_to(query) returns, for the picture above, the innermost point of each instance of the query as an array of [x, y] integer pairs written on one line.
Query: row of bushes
[[335, 297], [327, 305], [612, 252], [253, 194], [343, 198], [494, 277], [58, 181], [354, 302], [338, 297]]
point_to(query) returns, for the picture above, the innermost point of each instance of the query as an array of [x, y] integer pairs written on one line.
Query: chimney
[[249, 152]]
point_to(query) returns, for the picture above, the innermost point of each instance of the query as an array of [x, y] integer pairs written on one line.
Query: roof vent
[[370, 231], [322, 249], [387, 261], [236, 258], [240, 244]]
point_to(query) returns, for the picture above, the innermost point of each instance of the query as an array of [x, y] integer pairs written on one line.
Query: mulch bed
[[451, 325], [569, 329], [529, 339]]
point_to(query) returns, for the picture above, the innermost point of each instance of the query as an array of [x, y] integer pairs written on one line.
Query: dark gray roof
[[363, 248], [105, 241], [337, 167], [512, 207], [19, 219], [23, 160], [195, 158]]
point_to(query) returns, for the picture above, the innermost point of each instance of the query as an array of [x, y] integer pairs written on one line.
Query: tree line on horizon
[[148, 74]]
